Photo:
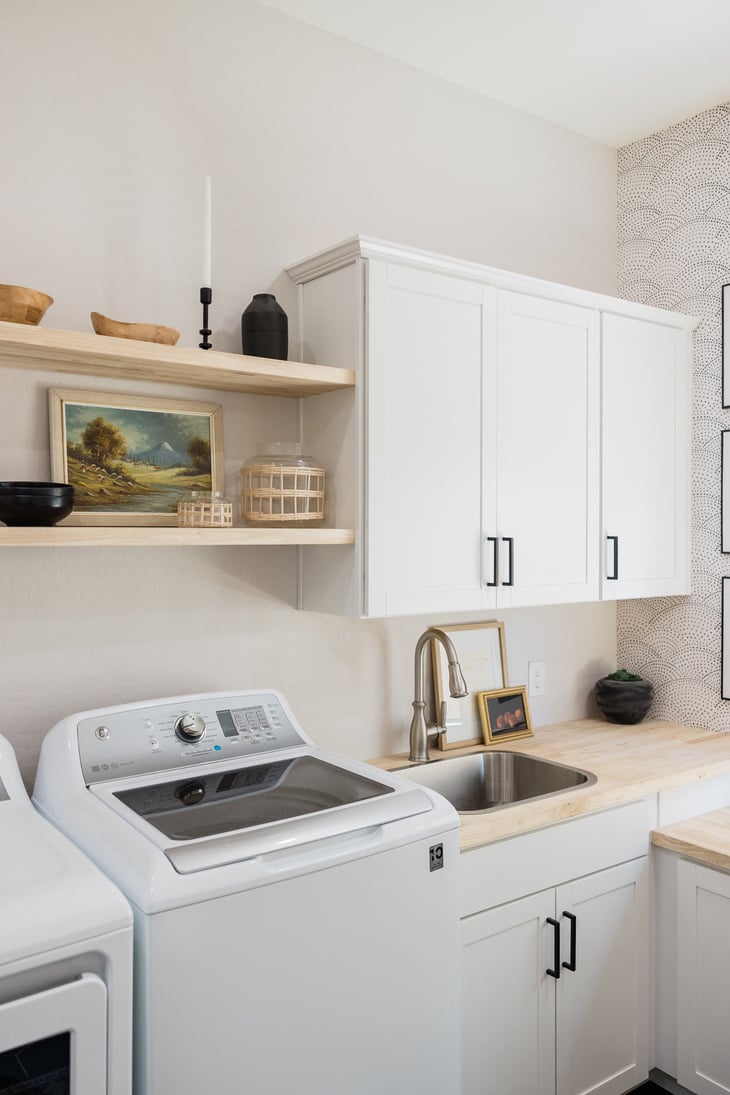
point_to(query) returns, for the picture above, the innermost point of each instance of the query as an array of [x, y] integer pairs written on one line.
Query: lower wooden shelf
[[165, 536]]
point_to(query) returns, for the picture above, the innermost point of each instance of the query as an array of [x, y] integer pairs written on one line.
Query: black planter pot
[[265, 328], [624, 701]]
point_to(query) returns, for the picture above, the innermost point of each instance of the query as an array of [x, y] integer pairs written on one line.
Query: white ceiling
[[613, 70]]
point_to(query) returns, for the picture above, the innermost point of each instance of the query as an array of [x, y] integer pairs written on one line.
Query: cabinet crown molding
[[369, 247]]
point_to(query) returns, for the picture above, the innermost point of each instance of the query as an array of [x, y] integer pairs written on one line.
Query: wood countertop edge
[[661, 755], [703, 839]]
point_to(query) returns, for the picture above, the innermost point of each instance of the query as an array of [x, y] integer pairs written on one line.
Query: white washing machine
[[296, 911], [65, 959]]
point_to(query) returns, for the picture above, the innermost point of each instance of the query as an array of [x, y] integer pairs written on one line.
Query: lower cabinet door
[[602, 1004], [703, 978], [508, 1001]]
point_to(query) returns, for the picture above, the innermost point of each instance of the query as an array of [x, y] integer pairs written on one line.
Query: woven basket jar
[[204, 509], [282, 487]]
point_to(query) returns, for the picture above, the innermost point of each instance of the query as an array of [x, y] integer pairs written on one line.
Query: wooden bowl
[[143, 332], [19, 305]]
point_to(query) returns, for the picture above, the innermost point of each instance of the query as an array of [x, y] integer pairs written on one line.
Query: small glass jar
[[282, 487], [205, 509]]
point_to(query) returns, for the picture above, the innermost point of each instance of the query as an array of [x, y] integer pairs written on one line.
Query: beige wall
[[120, 111]]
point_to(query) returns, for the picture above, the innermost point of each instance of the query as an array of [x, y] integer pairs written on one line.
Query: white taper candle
[[207, 237]]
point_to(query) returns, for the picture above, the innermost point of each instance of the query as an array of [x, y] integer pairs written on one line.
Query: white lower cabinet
[[556, 989], [703, 978]]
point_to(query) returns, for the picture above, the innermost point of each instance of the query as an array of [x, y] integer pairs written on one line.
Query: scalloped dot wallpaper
[[674, 252]]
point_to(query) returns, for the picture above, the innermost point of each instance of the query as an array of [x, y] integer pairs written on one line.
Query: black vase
[[624, 701], [265, 328]]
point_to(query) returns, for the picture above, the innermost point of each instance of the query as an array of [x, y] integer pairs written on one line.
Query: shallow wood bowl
[[20, 305], [143, 332]]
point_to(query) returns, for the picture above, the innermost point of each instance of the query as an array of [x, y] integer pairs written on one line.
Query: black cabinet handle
[[573, 933], [613, 577], [510, 541], [556, 952], [493, 540]]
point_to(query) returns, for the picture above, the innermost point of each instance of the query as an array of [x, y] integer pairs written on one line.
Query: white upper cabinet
[[645, 468], [425, 334], [541, 440], [469, 459]]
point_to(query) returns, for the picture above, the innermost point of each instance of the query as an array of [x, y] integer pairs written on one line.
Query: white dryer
[[296, 911], [65, 959]]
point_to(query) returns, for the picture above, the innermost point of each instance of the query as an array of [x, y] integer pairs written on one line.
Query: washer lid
[[204, 805], [230, 813]]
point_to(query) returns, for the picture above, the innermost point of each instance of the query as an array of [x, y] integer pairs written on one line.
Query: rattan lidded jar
[[282, 487]]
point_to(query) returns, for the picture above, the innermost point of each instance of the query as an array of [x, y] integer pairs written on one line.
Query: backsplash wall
[[674, 252]]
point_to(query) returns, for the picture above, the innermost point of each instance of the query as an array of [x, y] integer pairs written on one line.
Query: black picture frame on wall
[[725, 641], [725, 492], [725, 342]]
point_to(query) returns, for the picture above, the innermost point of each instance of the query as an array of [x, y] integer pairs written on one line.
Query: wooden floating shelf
[[25, 347], [164, 536]]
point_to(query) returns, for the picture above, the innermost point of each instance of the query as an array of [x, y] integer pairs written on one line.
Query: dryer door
[[56, 1040]]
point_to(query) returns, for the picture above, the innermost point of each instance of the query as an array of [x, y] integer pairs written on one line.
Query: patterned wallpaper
[[674, 252]]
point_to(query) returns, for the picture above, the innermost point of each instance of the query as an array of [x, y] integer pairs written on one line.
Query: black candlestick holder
[[206, 296]]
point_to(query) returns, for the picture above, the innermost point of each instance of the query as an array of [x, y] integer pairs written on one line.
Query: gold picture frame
[[482, 654], [505, 714], [132, 458]]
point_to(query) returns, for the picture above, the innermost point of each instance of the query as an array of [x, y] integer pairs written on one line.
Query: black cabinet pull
[[510, 541], [556, 952], [573, 933], [494, 540], [613, 577]]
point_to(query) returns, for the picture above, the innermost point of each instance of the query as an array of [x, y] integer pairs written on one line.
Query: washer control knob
[[190, 727], [191, 793]]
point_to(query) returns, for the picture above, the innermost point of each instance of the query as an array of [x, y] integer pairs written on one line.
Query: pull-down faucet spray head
[[457, 688]]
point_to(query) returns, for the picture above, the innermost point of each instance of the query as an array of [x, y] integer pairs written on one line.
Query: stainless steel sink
[[492, 780]]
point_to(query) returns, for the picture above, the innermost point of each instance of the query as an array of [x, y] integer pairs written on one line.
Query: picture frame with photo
[[505, 714], [132, 458]]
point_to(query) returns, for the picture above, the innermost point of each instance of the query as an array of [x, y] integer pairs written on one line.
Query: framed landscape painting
[[131, 459]]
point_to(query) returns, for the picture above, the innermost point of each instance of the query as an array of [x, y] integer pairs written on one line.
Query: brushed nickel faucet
[[457, 687]]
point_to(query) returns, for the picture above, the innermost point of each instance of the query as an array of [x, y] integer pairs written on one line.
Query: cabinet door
[[703, 978], [603, 1005], [508, 1000], [646, 457], [546, 451], [424, 423]]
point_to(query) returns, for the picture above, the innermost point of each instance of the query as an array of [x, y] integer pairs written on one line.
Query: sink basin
[[490, 781]]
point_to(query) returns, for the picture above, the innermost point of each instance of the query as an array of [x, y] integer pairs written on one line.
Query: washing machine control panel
[[190, 732]]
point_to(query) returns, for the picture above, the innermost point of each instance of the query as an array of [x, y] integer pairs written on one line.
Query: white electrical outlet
[[536, 678]]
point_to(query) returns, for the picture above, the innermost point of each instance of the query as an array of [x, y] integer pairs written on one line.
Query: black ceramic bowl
[[33, 487], [35, 503]]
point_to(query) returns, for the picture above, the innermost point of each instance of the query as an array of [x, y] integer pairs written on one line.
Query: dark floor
[[648, 1089]]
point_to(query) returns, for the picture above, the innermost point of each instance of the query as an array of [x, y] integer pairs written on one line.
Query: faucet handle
[[442, 715]]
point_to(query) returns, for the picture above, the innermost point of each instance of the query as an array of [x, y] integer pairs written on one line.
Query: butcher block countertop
[[629, 762], [705, 839]]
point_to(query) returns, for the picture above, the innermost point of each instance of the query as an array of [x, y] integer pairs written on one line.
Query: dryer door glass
[[240, 798], [38, 1067]]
